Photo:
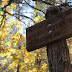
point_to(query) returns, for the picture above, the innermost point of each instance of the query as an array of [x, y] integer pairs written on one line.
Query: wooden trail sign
[[53, 29]]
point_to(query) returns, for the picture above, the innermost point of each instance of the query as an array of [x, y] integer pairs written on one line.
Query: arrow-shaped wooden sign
[[55, 28]]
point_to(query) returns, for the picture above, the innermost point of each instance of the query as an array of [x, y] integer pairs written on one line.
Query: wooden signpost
[[52, 33], [50, 30]]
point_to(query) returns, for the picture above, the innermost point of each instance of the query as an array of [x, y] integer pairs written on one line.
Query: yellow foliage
[[2, 54], [4, 33], [38, 19], [12, 27], [18, 26], [3, 36], [1, 12], [0, 33], [5, 1], [70, 50], [4, 30], [26, 60], [9, 43], [30, 71], [13, 6], [7, 8]]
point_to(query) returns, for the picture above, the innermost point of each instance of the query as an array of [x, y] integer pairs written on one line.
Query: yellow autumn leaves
[[12, 6], [5, 1], [38, 19], [3, 32]]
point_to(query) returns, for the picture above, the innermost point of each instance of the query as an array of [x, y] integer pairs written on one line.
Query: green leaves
[[1, 9]]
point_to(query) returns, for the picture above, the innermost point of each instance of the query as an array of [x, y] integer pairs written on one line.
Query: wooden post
[[58, 57], [53, 33]]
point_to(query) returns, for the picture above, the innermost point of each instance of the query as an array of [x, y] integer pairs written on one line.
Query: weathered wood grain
[[53, 29], [58, 57]]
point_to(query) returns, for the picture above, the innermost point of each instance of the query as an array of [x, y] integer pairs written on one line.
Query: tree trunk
[[58, 57], [18, 68]]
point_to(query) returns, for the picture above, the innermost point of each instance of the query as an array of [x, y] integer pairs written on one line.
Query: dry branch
[[34, 7]]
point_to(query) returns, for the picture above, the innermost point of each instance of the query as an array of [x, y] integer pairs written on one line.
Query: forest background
[[15, 17]]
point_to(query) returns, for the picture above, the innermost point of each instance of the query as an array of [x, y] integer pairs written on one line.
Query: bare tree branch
[[9, 13], [15, 16], [2, 19], [20, 15], [47, 3], [9, 2], [43, 2], [70, 6], [27, 17], [21, 21], [34, 7]]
